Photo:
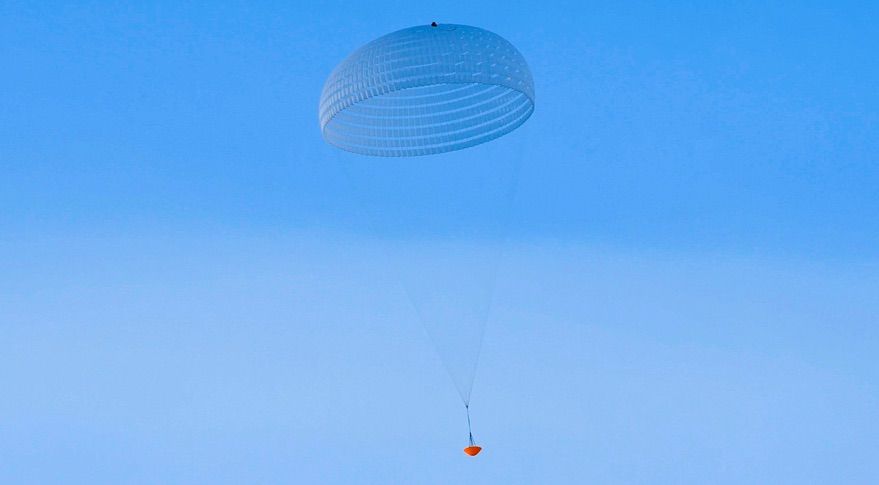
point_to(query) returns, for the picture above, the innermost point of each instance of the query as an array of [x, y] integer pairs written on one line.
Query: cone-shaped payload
[[473, 450]]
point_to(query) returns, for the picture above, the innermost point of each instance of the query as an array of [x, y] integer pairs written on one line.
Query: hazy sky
[[688, 292]]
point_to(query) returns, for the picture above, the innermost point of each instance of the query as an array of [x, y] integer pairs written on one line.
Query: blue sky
[[687, 292]]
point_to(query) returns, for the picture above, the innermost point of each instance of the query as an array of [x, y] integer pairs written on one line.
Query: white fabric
[[426, 90]]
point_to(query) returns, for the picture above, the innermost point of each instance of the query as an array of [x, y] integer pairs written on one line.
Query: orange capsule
[[473, 450]]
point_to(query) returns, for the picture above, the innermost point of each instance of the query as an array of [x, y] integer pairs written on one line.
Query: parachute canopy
[[426, 90]]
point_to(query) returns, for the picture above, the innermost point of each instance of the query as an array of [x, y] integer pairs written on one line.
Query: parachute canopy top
[[425, 90]]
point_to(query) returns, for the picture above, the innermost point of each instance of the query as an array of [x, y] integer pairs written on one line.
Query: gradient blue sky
[[688, 294]]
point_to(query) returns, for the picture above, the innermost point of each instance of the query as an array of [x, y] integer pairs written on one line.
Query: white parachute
[[426, 90], [435, 90]]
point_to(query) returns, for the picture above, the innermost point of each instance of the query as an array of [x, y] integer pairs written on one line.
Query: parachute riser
[[469, 428]]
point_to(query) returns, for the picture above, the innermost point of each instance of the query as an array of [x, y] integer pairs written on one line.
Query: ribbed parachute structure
[[435, 90], [426, 90]]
